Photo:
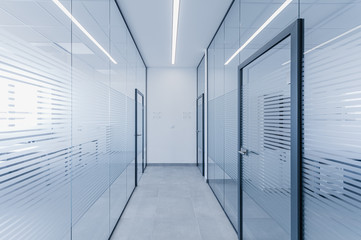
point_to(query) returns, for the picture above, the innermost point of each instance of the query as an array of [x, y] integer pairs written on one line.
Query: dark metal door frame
[[136, 134], [296, 32], [202, 130]]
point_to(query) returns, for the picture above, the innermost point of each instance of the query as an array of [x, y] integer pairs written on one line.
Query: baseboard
[[173, 164]]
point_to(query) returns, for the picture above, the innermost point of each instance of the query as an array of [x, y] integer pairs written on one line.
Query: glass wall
[[332, 120], [222, 115], [331, 170], [242, 20], [68, 71]]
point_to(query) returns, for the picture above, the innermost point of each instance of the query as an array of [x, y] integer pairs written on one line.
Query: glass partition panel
[[210, 116], [130, 146], [67, 80], [217, 184], [35, 121], [332, 120], [118, 101], [231, 161], [90, 121]]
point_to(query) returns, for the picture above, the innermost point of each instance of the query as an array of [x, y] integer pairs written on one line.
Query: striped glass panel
[[117, 166], [266, 136], [130, 146], [231, 135], [217, 184], [332, 121], [66, 119], [231, 166], [35, 125], [211, 111], [90, 123], [222, 116]]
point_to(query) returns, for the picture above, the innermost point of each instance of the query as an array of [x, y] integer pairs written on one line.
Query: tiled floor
[[173, 203]]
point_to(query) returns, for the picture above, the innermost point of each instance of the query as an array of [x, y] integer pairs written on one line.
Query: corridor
[[173, 202], [180, 120]]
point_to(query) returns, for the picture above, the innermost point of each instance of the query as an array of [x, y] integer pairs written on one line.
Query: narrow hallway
[[173, 202]]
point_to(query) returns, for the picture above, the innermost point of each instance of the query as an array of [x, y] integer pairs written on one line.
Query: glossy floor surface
[[173, 202]]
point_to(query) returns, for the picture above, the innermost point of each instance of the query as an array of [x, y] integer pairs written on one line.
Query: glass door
[[270, 139], [139, 135], [200, 133]]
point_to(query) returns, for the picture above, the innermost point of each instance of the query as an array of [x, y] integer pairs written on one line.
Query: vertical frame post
[[143, 146], [203, 134], [239, 165], [197, 131], [136, 136], [297, 48]]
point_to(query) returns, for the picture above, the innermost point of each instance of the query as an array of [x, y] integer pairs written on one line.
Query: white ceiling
[[150, 22]]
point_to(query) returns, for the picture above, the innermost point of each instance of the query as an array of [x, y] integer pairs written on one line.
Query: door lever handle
[[243, 151], [138, 135]]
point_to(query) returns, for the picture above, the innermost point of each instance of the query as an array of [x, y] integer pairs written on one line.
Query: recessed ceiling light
[[73, 19], [175, 28]]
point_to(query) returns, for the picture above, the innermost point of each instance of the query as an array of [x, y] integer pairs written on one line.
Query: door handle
[[243, 151], [139, 135]]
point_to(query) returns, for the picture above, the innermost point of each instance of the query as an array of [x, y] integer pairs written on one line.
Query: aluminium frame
[[296, 32]]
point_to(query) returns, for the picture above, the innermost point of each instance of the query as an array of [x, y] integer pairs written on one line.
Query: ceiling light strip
[[175, 28], [73, 19], [264, 25]]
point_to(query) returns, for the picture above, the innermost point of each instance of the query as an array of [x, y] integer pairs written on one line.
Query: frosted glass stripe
[[35, 121], [331, 140], [66, 121]]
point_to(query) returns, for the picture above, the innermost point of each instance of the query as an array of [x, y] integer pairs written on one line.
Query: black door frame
[[202, 130], [296, 32], [136, 134]]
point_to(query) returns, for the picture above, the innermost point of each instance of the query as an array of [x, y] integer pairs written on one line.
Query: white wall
[[171, 115]]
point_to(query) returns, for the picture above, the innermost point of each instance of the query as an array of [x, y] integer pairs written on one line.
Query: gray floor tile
[[173, 203], [175, 208], [166, 229], [214, 229]]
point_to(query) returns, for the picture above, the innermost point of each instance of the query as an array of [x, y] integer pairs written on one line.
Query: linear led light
[[175, 28], [328, 41], [264, 25], [73, 19]]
